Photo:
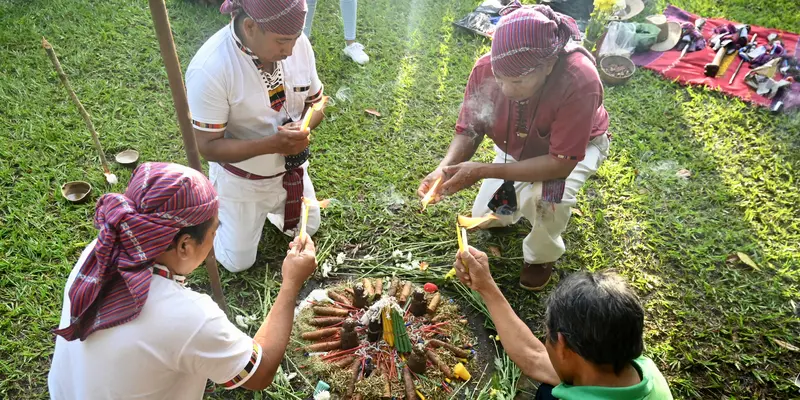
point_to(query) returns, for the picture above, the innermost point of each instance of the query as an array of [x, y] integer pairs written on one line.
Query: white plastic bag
[[620, 40]]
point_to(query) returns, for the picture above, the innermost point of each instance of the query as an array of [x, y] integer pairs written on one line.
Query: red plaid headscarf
[[135, 228], [284, 17], [526, 37]]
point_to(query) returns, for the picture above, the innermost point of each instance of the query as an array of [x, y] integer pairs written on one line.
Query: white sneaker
[[356, 52]]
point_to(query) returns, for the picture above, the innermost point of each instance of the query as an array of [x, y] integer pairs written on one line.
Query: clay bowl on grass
[[616, 70], [76, 191], [128, 158]]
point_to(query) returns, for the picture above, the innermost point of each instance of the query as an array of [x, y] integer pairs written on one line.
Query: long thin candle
[[304, 221], [429, 196]]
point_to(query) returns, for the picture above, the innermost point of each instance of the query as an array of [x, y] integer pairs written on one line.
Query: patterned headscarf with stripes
[[284, 17], [528, 36], [135, 228]]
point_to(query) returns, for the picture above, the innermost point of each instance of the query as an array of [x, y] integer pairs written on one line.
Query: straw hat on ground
[[669, 33], [632, 9]]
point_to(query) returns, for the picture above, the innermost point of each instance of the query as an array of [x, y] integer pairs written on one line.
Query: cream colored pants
[[244, 207], [548, 220]]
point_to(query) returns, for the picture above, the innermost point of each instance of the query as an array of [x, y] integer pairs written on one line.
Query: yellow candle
[[429, 196], [461, 234], [304, 221], [310, 113], [470, 222]]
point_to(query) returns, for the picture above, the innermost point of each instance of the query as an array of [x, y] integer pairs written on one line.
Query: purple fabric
[[691, 37], [527, 36], [135, 228], [284, 17]]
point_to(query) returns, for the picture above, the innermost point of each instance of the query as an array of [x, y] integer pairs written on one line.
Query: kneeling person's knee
[[236, 261]]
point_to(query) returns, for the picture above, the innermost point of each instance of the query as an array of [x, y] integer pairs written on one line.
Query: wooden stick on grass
[[111, 178]]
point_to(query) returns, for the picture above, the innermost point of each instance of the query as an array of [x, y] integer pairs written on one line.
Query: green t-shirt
[[652, 387]]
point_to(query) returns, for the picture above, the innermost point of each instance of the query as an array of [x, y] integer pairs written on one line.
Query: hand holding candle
[[461, 234], [316, 108], [472, 268], [431, 192]]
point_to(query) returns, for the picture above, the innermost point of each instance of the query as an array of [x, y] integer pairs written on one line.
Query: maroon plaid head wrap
[[526, 37], [135, 228], [284, 17]]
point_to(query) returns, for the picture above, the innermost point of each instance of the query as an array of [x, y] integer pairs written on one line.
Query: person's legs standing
[[349, 9], [353, 49], [312, 6]]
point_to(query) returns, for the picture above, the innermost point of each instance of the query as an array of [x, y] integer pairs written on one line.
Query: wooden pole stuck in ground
[[110, 178], [158, 10]]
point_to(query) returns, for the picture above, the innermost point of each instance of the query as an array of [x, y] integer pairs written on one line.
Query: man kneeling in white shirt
[[131, 330], [249, 87]]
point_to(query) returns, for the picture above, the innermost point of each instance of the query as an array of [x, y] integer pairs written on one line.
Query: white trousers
[[548, 220], [244, 206]]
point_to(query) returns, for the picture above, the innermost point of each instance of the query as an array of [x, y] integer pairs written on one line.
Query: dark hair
[[197, 232], [238, 19], [599, 316]]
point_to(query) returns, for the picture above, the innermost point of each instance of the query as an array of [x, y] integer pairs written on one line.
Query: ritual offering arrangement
[[382, 338]]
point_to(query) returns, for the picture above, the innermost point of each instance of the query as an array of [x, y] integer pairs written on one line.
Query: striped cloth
[[526, 37], [293, 183], [284, 17], [135, 228]]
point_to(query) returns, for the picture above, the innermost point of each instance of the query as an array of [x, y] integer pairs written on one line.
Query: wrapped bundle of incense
[[394, 287], [401, 341], [460, 353], [387, 386], [408, 384], [319, 334], [388, 327], [369, 291], [324, 346], [330, 311], [439, 364], [405, 293], [378, 286], [434, 303], [351, 388], [335, 296], [325, 321], [344, 362]]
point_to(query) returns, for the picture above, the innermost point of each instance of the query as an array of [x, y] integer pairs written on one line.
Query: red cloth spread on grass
[[690, 69]]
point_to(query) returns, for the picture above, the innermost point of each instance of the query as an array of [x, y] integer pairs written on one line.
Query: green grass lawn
[[714, 328]]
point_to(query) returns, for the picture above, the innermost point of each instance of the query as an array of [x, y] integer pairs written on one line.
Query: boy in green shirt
[[593, 345]]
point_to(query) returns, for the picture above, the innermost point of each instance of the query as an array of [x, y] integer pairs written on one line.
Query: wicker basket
[[618, 60]]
